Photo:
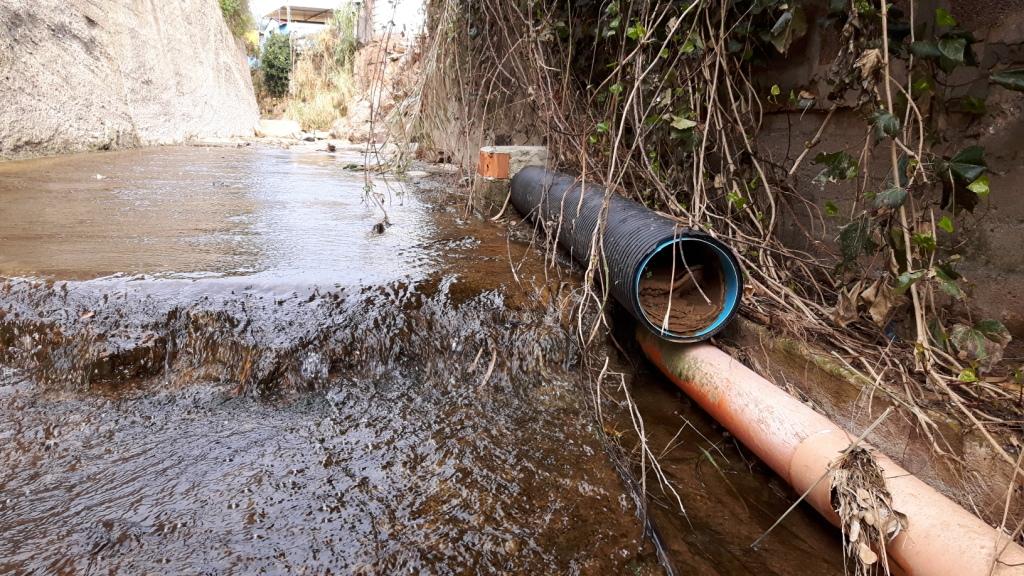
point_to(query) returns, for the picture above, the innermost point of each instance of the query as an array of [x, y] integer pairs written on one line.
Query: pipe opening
[[687, 288]]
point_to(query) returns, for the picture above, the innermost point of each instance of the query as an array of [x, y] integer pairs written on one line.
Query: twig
[[814, 141]]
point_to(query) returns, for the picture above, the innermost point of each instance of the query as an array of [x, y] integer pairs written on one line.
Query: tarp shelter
[[302, 12]]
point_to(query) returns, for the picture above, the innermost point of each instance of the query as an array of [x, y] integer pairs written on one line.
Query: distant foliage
[[237, 16], [276, 63], [322, 80], [342, 28]]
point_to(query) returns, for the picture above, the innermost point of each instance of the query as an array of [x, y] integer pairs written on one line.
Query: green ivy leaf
[[1010, 79], [864, 6], [736, 199], [602, 127], [838, 166], [892, 198], [953, 49], [831, 209], [636, 32], [925, 242], [993, 329], [980, 186], [945, 223], [885, 123], [691, 44], [907, 279], [937, 332], [967, 376], [944, 18], [855, 239], [616, 88], [982, 344], [973, 105], [969, 163], [921, 84], [925, 49], [681, 123], [948, 282]]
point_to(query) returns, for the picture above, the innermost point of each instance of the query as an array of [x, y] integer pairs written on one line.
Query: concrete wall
[[89, 74]]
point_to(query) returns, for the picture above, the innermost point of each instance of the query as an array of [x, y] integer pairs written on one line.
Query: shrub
[[276, 63]]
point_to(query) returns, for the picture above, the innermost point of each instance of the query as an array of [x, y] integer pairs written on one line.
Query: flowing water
[[213, 361]]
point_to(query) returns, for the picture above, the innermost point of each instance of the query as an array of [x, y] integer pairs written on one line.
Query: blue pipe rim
[[730, 273]]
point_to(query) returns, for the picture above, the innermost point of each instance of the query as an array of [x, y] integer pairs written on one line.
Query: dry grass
[[321, 82]]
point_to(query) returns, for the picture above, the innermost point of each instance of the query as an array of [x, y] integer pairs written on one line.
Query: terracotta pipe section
[[941, 539]]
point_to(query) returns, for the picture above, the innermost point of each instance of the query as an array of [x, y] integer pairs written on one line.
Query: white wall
[[409, 17]]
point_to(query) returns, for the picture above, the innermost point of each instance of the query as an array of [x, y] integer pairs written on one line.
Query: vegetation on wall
[[237, 16]]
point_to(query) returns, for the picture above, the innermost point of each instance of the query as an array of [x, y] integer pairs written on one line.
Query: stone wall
[[81, 75]]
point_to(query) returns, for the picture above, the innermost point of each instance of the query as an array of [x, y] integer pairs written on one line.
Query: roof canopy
[[304, 11]]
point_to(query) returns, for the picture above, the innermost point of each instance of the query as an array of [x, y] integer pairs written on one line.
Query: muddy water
[[211, 363]]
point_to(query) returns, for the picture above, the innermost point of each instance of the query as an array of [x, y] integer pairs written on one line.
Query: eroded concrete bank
[[87, 75]]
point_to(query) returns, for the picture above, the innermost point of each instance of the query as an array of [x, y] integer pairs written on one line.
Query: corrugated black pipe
[[681, 284]]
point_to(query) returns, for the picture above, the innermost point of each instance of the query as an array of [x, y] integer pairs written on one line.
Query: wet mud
[[210, 362], [680, 294]]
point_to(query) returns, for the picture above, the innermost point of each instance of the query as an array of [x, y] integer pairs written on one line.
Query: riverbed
[[261, 360]]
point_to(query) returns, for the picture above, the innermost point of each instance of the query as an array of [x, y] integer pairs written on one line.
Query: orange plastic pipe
[[941, 538]]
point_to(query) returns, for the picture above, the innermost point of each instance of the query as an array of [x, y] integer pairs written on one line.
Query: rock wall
[[81, 75]]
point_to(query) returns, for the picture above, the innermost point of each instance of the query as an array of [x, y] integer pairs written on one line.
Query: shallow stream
[[211, 362]]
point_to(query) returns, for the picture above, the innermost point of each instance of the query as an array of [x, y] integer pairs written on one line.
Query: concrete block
[[489, 195], [506, 161]]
